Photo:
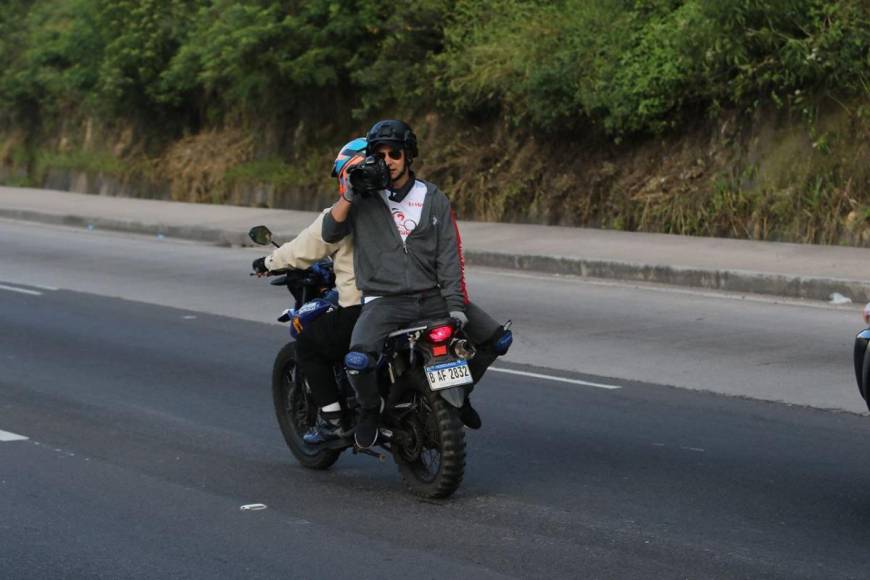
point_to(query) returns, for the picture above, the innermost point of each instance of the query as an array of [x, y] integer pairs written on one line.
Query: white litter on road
[[7, 436], [837, 298], [21, 290], [252, 507], [552, 378]]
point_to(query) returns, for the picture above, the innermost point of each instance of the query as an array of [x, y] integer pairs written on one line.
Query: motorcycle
[[861, 356], [422, 376]]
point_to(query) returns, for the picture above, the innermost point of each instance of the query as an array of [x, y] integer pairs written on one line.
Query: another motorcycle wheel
[[432, 464], [296, 412]]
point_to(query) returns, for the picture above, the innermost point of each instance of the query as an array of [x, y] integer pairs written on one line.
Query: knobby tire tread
[[325, 458], [452, 469]]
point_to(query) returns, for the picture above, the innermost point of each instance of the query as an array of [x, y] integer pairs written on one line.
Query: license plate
[[448, 374]]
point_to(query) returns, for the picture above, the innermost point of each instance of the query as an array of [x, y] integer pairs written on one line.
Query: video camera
[[370, 176]]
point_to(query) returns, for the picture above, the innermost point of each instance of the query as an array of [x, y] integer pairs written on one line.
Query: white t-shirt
[[407, 213]]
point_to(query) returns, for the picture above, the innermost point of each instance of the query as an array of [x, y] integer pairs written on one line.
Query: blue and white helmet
[[350, 150]]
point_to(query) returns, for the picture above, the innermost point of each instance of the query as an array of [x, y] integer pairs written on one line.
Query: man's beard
[[401, 174]]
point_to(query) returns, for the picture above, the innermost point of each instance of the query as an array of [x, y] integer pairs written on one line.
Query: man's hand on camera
[[349, 195], [259, 266], [459, 317]]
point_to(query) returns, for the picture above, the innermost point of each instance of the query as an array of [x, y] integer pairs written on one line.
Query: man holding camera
[[326, 340], [407, 256]]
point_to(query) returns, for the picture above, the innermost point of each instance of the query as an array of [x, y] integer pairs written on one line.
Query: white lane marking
[[7, 436], [22, 290], [552, 378], [41, 287]]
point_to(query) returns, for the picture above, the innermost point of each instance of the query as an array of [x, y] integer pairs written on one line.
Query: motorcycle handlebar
[[279, 272]]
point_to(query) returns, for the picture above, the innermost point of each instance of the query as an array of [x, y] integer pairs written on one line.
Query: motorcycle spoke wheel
[[296, 413], [430, 460], [299, 409], [438, 468]]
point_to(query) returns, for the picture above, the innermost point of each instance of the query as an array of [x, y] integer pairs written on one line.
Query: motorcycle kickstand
[[387, 436], [379, 456]]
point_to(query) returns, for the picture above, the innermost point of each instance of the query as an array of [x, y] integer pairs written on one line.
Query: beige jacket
[[308, 247]]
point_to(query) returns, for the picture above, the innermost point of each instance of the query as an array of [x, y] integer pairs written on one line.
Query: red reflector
[[439, 350], [440, 334]]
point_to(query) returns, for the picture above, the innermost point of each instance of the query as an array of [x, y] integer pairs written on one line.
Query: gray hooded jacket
[[430, 257]]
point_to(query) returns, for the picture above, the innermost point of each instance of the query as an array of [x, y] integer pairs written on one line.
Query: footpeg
[[379, 456]]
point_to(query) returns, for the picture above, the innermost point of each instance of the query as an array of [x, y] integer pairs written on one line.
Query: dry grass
[[196, 166], [774, 179], [11, 148]]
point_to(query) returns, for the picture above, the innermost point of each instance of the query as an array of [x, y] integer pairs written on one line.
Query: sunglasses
[[395, 154]]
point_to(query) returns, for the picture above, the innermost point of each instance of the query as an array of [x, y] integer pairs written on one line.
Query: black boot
[[469, 416], [367, 427], [365, 384]]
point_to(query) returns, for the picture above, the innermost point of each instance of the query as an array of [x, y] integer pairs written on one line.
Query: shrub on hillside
[[625, 66], [639, 66]]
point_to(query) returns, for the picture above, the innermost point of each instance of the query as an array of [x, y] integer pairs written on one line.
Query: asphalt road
[[149, 425], [780, 350]]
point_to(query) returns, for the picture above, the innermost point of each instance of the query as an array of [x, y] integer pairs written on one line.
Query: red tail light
[[440, 334]]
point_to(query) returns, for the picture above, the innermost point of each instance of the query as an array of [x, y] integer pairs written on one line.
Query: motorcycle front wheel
[[433, 464], [296, 412]]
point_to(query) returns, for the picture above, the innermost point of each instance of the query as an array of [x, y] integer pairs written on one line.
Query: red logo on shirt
[[405, 225]]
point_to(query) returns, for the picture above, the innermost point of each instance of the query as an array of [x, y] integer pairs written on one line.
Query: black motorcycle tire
[[450, 435], [288, 394]]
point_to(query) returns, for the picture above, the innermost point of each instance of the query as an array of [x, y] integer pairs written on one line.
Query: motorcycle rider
[[326, 339], [407, 260]]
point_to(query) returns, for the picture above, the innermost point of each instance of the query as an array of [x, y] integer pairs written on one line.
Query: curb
[[196, 233], [724, 280]]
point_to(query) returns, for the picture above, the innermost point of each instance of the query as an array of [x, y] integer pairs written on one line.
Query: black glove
[[259, 266]]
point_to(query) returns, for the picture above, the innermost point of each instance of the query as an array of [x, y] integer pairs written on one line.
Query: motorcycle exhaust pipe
[[464, 349]]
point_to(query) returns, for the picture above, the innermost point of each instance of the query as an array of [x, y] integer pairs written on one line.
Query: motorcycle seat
[[420, 325]]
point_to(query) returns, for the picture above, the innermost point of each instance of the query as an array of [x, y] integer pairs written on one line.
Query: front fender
[[862, 363]]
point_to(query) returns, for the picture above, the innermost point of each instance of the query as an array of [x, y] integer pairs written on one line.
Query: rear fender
[[454, 395], [401, 378]]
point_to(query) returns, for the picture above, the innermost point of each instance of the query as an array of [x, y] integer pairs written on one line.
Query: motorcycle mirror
[[260, 235]]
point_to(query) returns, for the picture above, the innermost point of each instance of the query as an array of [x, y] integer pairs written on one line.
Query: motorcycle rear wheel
[[296, 412], [437, 470]]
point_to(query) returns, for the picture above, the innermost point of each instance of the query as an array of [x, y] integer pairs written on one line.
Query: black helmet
[[392, 132]]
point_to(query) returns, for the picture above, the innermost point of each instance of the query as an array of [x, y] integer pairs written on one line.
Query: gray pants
[[481, 326], [481, 330], [378, 319], [382, 316]]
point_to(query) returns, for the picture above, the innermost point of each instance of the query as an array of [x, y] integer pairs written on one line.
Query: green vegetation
[[90, 161], [277, 172], [642, 66], [578, 74], [624, 66]]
